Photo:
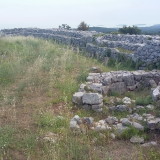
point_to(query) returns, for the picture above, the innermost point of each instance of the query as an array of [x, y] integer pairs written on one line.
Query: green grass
[[131, 131], [144, 100], [52, 123], [6, 137]]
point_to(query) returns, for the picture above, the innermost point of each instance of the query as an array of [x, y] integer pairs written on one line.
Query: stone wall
[[123, 81], [90, 94], [141, 49]]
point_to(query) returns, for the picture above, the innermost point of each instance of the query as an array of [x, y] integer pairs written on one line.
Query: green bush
[[131, 131], [130, 30], [144, 100]]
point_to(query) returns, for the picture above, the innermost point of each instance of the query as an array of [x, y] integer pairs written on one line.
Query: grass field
[[37, 81]]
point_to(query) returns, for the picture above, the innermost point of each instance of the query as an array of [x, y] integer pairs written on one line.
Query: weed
[[131, 131], [50, 122], [144, 100]]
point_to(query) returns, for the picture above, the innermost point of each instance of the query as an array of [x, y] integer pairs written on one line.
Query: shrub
[[83, 26], [65, 26], [130, 30], [131, 131], [144, 100]]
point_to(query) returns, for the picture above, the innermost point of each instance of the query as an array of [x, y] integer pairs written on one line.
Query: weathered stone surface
[[138, 126], [125, 121], [150, 107], [88, 120], [126, 100], [122, 81], [119, 87], [153, 124], [135, 116], [111, 120], [92, 98], [102, 126], [97, 108], [119, 108], [96, 87], [77, 98], [119, 128], [156, 94], [152, 83], [150, 144], [87, 107], [74, 125], [137, 139]]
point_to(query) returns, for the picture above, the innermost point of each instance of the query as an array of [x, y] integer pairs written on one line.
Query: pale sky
[[52, 13]]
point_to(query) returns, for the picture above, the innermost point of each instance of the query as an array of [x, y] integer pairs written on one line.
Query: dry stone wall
[[89, 95], [145, 49]]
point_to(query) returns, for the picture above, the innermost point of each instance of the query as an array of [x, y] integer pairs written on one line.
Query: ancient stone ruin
[[90, 95], [143, 50]]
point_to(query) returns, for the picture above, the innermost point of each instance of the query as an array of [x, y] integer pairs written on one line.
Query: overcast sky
[[52, 13]]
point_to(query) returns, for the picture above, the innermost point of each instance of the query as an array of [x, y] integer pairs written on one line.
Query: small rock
[[154, 124], [139, 107], [150, 107], [77, 119], [82, 88], [51, 137], [150, 144], [119, 108], [95, 70], [88, 120], [156, 94], [119, 128], [74, 125], [97, 108], [138, 126], [135, 116], [102, 122], [137, 139], [125, 121], [126, 100], [101, 126], [111, 120], [152, 83], [92, 98], [113, 136], [77, 98]]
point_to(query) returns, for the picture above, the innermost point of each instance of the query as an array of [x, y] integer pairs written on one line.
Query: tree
[[83, 26], [65, 26], [129, 30]]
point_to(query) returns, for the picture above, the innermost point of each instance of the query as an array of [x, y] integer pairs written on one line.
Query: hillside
[[37, 81], [155, 29]]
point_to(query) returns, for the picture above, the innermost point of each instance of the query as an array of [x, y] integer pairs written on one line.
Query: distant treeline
[[144, 30]]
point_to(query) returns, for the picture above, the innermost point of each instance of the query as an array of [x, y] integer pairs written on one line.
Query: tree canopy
[[130, 30], [83, 26]]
